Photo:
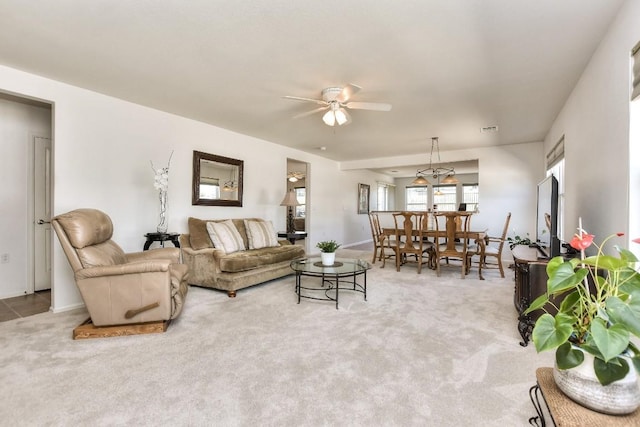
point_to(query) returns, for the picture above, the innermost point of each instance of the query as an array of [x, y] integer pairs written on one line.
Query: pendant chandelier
[[435, 171], [231, 184]]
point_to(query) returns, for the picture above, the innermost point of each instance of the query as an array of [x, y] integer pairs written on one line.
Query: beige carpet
[[421, 351]]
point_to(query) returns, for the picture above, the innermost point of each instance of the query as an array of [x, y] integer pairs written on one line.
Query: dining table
[[451, 233]]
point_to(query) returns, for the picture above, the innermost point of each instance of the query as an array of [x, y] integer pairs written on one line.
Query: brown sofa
[[214, 268]]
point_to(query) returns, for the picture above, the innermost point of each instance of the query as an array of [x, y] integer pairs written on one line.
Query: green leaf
[[537, 304], [608, 372], [630, 279], [625, 313], [551, 332], [612, 341], [569, 302], [563, 278], [607, 262], [626, 254], [553, 265], [568, 357]]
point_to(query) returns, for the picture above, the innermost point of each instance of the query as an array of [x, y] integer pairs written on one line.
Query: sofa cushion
[[225, 236], [254, 258], [198, 234], [261, 234]]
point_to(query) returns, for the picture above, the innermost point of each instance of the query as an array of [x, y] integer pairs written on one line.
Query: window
[[209, 188], [383, 197], [444, 196], [301, 195], [416, 198], [470, 196]]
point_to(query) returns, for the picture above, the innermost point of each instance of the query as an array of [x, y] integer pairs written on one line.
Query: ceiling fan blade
[[347, 92], [308, 113], [375, 106], [298, 98]]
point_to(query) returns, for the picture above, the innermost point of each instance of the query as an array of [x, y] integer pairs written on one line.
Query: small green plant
[[328, 246], [517, 240]]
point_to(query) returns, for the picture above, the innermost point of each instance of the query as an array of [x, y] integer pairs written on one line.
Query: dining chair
[[495, 251], [379, 238], [410, 242], [450, 242]]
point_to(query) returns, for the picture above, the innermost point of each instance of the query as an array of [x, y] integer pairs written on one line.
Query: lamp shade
[[450, 179], [290, 199], [421, 180]]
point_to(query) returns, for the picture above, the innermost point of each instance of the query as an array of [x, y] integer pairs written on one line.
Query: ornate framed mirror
[[217, 180]]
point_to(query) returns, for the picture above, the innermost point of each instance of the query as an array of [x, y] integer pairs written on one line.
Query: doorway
[[298, 182], [26, 126]]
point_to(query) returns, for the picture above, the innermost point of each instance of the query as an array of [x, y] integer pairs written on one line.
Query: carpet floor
[[421, 351]]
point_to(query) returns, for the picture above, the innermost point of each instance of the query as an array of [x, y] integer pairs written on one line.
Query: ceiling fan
[[335, 100]]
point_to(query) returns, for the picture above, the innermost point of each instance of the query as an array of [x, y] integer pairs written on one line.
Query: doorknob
[[41, 221]]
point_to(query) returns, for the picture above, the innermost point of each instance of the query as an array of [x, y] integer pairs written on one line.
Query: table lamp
[[290, 201]]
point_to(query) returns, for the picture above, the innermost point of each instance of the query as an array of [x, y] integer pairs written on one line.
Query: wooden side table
[[161, 237], [564, 412], [293, 236]]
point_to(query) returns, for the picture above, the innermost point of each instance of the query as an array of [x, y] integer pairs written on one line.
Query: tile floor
[[25, 305]]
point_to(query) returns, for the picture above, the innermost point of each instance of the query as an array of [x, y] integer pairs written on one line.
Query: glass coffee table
[[344, 271]]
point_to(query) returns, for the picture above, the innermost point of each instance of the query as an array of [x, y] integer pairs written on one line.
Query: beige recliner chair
[[119, 288]]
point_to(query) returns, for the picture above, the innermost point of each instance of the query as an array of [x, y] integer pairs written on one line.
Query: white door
[[42, 213]]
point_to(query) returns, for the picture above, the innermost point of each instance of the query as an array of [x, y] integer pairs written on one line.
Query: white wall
[[102, 150], [595, 123], [19, 123]]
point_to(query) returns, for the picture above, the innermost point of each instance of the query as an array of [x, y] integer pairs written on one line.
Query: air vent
[[489, 129]]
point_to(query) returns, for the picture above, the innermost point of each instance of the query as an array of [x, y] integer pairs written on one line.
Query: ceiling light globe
[[341, 117], [329, 118]]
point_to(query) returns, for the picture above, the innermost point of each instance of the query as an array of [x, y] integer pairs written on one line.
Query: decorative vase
[[328, 258], [582, 386], [163, 224]]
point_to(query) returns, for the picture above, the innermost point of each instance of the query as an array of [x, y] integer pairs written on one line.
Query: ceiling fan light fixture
[[329, 118], [341, 116]]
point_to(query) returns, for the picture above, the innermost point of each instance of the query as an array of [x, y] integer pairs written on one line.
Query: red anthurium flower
[[619, 234], [637, 240], [581, 242]]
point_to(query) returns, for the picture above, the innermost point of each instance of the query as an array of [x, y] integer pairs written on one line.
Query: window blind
[[556, 154], [635, 53]]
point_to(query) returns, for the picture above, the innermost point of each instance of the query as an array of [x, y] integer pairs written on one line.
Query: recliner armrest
[[122, 269], [172, 254]]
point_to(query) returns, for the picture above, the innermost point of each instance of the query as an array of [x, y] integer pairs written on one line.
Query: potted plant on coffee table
[[328, 251], [597, 363]]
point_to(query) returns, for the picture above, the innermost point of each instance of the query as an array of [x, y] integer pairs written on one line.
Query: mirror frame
[[195, 184]]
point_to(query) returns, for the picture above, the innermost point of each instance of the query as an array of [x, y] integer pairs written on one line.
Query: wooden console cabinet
[[531, 282]]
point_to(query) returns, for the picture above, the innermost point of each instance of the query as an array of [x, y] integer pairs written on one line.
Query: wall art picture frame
[[363, 198]]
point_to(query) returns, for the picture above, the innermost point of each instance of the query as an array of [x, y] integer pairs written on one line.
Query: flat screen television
[[547, 240]]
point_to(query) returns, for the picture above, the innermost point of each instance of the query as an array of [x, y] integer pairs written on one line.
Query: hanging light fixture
[[231, 184], [435, 172], [336, 114]]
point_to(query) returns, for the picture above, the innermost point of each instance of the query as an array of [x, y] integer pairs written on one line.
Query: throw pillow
[[198, 234], [225, 236], [261, 234]]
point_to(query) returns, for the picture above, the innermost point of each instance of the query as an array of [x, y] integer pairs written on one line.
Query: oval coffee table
[[343, 271]]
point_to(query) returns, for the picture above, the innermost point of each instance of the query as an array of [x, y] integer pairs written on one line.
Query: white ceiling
[[448, 67]]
